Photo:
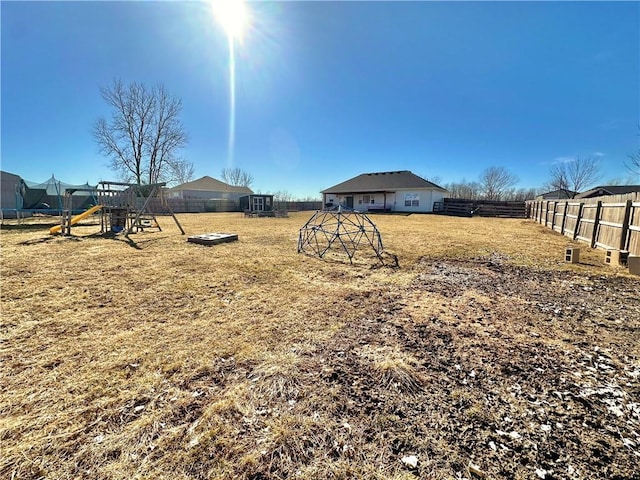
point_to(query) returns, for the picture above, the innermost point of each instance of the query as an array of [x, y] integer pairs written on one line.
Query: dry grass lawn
[[483, 355]]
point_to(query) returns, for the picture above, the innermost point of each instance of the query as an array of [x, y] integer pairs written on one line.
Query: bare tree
[[558, 178], [633, 164], [495, 181], [575, 175], [179, 171], [237, 176], [630, 180], [520, 194], [144, 133], [463, 189], [281, 197], [583, 173]]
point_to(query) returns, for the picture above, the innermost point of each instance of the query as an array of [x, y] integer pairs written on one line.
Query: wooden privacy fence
[[483, 208], [179, 205], [611, 222], [298, 206]]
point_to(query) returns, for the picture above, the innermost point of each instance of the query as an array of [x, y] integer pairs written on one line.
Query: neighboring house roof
[[561, 193], [609, 190], [383, 181], [210, 184], [9, 175]]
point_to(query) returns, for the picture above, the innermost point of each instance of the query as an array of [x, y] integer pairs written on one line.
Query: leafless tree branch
[[575, 175], [144, 133], [237, 177], [495, 182]]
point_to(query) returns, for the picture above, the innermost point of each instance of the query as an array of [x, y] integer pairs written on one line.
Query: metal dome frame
[[339, 230]]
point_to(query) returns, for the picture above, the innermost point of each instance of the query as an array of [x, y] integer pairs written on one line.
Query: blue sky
[[329, 90]]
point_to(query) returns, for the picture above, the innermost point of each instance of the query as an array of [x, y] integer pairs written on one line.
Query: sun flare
[[232, 16]]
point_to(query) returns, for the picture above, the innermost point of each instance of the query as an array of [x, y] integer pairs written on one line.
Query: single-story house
[[609, 190], [10, 197], [208, 188], [560, 194], [256, 202], [400, 191]]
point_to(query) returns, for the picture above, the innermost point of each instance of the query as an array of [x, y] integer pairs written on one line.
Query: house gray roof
[[609, 190], [210, 184], [8, 175], [383, 182], [561, 193]]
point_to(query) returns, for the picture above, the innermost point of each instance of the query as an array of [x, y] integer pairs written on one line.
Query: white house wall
[[331, 198], [394, 200]]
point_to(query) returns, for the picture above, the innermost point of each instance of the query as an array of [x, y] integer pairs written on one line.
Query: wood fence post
[[564, 217], [540, 211], [577, 226], [596, 222], [546, 213], [625, 226], [553, 218]]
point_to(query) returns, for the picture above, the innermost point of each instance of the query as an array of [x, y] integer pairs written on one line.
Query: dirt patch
[[507, 403]]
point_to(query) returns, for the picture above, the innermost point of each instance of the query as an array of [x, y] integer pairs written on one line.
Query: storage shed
[[256, 202]]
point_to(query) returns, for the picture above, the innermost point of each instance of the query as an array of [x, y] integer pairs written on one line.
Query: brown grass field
[[483, 355]]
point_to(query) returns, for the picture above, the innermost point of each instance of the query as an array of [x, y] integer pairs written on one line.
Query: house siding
[[421, 200], [8, 189], [205, 195], [423, 197]]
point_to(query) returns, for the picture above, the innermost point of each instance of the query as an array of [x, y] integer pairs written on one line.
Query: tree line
[[497, 183], [494, 183]]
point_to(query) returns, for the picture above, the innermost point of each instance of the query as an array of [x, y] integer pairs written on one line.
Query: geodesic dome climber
[[340, 232]]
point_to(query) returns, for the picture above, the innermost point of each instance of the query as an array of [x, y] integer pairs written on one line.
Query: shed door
[[258, 204]]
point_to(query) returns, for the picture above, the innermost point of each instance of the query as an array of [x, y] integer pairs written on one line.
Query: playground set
[[339, 231], [124, 208]]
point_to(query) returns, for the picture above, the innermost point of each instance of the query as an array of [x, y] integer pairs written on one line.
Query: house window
[[365, 198], [372, 200], [411, 200]]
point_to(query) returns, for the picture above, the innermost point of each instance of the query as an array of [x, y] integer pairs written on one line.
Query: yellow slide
[[76, 218]]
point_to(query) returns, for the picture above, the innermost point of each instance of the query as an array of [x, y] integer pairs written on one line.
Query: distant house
[[400, 191], [10, 196], [609, 190], [208, 188], [561, 194]]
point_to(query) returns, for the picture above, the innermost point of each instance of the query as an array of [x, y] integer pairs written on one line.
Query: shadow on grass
[[29, 226], [36, 241], [114, 236], [139, 245]]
